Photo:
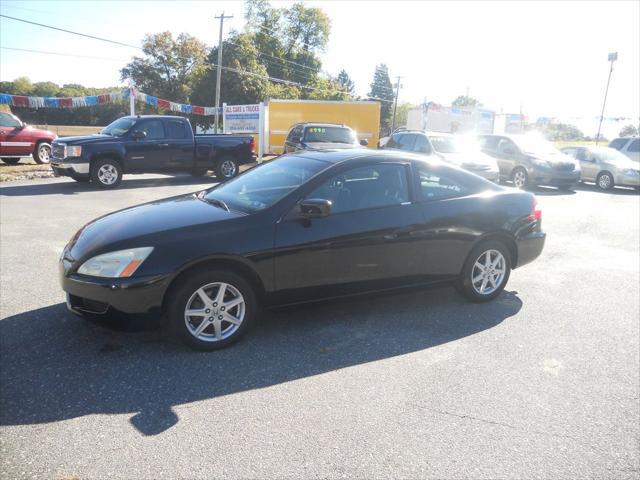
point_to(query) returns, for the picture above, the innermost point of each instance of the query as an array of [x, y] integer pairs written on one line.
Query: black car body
[[341, 223], [321, 136], [149, 144]]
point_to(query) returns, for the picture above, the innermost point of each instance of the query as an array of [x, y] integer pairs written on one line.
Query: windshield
[[606, 154], [535, 144], [451, 144], [119, 127], [263, 186], [329, 135]]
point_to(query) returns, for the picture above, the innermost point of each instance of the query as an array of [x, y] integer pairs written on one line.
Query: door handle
[[163, 145]]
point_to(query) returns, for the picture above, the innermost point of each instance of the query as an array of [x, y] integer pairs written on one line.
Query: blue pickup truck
[[149, 144]]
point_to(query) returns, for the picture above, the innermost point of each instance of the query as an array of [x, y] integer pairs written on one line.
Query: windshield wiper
[[213, 201]]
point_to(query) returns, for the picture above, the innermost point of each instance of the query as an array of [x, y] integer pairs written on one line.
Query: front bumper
[[126, 295], [623, 180], [554, 177], [66, 168], [530, 247]]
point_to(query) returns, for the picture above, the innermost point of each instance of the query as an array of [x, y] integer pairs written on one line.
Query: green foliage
[[628, 131], [562, 132], [465, 101], [346, 83], [402, 113], [381, 88]]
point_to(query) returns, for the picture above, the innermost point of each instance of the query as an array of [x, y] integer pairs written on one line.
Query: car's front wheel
[[42, 154], [604, 181], [520, 178], [106, 173], [212, 309], [486, 272]]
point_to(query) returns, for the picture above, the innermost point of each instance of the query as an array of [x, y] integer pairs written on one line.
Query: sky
[[542, 58]]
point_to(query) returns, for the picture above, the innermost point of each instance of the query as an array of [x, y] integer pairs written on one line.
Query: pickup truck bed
[[149, 144]]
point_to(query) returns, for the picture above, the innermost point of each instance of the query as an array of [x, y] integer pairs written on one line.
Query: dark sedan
[[306, 226]]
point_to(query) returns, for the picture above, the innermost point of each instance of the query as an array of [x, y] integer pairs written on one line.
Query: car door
[[507, 155], [370, 239], [589, 164], [180, 145], [151, 153], [14, 139]]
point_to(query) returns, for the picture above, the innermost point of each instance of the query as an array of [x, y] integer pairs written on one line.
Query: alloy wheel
[[228, 168], [108, 174], [488, 272], [604, 181], [44, 153], [214, 312], [520, 178]]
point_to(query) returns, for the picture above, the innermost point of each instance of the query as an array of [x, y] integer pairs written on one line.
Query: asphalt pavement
[[541, 383]]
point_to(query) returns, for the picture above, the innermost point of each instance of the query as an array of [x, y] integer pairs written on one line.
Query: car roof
[[174, 117], [342, 155], [321, 124]]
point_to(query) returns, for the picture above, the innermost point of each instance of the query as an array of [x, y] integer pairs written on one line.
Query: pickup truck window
[[119, 127], [176, 129], [153, 128], [7, 120]]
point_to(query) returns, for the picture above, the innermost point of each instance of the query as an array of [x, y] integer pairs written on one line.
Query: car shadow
[[71, 187], [591, 187], [56, 366]]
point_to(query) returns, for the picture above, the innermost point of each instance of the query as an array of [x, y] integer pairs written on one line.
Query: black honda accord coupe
[[303, 227]]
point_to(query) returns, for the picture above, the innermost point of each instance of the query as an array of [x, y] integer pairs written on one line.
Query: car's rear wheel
[[106, 173], [486, 271], [227, 168], [604, 181], [520, 178], [11, 161], [212, 309], [42, 154]]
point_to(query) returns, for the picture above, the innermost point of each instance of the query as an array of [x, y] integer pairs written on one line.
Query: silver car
[[605, 166], [464, 152]]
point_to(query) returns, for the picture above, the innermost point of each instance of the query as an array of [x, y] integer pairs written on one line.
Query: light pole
[[613, 56], [395, 105]]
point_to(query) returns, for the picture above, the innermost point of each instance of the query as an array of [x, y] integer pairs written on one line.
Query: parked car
[[305, 226], [529, 160], [409, 141], [18, 140], [383, 140], [149, 144], [321, 136], [605, 166], [464, 152], [630, 146]]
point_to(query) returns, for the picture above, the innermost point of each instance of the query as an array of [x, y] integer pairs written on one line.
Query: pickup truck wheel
[[227, 168], [11, 161], [42, 153], [106, 173]]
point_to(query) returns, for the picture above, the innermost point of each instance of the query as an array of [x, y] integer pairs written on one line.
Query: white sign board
[[241, 118]]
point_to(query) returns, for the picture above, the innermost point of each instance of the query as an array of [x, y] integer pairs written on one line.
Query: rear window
[[329, 135], [401, 141], [635, 146], [176, 129], [618, 143]]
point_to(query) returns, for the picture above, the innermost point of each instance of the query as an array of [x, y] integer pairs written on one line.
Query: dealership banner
[[241, 118]]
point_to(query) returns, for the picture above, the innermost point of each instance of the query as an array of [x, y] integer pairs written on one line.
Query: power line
[[72, 32], [60, 54]]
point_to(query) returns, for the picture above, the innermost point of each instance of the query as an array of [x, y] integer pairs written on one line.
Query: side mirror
[[21, 126], [138, 134], [315, 208], [364, 142]]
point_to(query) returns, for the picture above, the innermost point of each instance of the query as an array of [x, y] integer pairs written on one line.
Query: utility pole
[[395, 105], [612, 58], [219, 72]]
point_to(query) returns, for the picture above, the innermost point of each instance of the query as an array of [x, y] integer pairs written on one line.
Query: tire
[[604, 181], [472, 269], [42, 153], [218, 332], [106, 173], [227, 168], [11, 161], [82, 179], [520, 178], [199, 173]]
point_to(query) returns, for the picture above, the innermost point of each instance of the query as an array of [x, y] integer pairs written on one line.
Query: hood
[[128, 228], [553, 157], [87, 139], [39, 131], [469, 159], [329, 146]]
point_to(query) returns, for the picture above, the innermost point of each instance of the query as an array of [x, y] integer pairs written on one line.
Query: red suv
[[17, 140]]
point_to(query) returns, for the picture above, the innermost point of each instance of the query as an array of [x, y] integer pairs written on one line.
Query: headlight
[[74, 151], [122, 263]]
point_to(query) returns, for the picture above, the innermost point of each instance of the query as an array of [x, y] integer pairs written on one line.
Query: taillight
[[536, 211], [252, 145]]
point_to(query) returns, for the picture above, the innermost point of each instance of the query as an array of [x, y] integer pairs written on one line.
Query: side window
[[634, 146], [292, 134], [402, 141], [488, 143], [435, 185], [618, 143], [506, 146], [583, 155], [422, 144], [176, 129], [7, 120], [572, 152], [372, 186], [154, 129]]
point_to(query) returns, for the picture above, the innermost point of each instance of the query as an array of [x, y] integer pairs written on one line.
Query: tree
[[466, 101], [628, 131], [402, 113], [562, 132], [170, 67], [382, 90], [346, 83]]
